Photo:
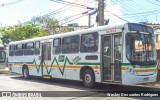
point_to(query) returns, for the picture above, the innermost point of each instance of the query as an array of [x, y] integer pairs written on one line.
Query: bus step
[[47, 76]]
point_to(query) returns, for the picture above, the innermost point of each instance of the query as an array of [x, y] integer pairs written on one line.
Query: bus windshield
[[140, 48]]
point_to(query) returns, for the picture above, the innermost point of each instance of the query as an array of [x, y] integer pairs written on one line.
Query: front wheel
[[88, 78], [25, 72]]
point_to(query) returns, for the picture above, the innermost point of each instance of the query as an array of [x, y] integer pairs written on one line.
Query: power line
[[71, 3], [134, 6], [158, 0], [124, 9], [117, 16], [140, 13], [74, 16], [11, 3], [152, 3], [67, 4], [73, 19], [60, 10], [144, 12]]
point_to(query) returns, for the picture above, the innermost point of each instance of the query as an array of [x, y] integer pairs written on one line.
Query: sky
[[118, 11]]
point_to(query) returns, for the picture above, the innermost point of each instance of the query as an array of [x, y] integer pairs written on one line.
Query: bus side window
[[89, 42], [57, 46], [19, 50], [37, 48], [29, 48], [70, 44], [11, 50], [75, 44]]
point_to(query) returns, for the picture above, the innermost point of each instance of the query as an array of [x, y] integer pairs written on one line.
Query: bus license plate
[[146, 79]]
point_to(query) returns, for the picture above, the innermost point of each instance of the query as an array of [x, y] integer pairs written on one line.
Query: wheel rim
[[88, 78], [25, 73]]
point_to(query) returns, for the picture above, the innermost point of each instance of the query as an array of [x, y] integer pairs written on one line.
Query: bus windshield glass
[[140, 48]]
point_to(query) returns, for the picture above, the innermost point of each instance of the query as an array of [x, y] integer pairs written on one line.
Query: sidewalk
[[4, 69]]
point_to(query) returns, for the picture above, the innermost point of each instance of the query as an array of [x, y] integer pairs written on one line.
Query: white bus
[[2, 56], [119, 54]]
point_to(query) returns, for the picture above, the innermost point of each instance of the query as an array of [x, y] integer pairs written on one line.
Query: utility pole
[[100, 13]]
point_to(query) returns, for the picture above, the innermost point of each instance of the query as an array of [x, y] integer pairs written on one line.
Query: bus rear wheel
[[88, 78], [25, 73]]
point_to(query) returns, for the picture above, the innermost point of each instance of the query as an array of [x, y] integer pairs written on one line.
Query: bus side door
[[111, 57]]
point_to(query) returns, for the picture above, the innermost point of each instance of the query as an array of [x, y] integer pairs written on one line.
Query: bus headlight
[[155, 71]]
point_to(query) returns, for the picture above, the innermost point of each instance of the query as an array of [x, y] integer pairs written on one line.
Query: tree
[[50, 24], [39, 26], [21, 32]]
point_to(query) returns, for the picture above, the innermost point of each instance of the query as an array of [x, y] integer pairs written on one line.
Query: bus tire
[[88, 78], [25, 72]]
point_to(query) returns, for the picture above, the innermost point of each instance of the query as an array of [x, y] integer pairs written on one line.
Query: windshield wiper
[[143, 43]]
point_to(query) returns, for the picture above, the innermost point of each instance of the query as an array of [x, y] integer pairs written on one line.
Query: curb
[[4, 70], [150, 86]]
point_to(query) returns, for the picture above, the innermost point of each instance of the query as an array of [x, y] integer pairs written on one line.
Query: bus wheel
[[25, 72], [88, 78]]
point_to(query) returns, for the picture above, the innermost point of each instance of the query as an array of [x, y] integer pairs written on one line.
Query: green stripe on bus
[[83, 63], [55, 62]]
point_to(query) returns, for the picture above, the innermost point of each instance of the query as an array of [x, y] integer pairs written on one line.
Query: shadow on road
[[98, 91], [79, 85]]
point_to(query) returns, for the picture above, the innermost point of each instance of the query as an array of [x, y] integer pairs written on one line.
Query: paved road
[[14, 82]]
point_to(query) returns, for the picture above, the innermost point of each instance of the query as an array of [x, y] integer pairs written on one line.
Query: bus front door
[[111, 58], [46, 59]]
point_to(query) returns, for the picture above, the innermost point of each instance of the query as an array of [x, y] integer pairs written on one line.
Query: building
[[63, 29]]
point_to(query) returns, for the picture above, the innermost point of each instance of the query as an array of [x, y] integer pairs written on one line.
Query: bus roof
[[89, 30]]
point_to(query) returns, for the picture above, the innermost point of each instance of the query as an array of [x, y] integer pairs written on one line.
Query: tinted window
[[19, 46], [37, 45], [135, 27], [29, 49], [141, 28], [57, 46], [11, 47], [70, 44], [19, 50], [11, 50], [89, 42], [37, 48], [29, 45]]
